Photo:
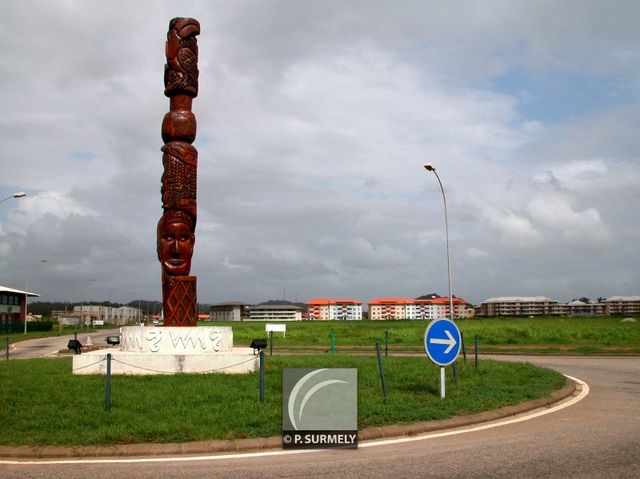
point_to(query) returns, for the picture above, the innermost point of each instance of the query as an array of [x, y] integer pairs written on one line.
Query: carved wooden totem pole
[[176, 228]]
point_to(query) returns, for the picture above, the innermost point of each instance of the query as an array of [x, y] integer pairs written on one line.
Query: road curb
[[275, 442]]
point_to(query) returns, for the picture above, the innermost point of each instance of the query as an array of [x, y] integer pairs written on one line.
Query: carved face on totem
[[175, 243]]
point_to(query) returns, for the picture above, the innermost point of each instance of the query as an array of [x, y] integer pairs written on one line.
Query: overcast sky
[[314, 122]]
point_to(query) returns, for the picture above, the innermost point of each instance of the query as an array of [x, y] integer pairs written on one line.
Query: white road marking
[[375, 443]]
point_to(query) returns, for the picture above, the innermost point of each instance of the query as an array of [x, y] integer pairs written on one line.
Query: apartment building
[[108, 314], [580, 308], [92, 312], [543, 306], [623, 304], [520, 306], [230, 311], [324, 309], [431, 308], [388, 308], [275, 312]]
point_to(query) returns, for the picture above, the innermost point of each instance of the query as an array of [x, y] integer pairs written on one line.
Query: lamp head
[[429, 167]]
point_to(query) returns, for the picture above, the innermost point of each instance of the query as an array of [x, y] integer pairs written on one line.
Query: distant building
[[521, 306], [12, 306], [432, 307], [275, 312], [321, 309], [543, 306], [623, 304], [581, 308], [230, 311], [388, 308], [108, 314]]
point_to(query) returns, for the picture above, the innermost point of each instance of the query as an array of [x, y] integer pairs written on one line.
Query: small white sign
[[277, 328], [98, 322], [68, 321]]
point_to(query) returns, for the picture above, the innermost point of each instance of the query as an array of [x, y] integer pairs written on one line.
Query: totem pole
[[176, 228]]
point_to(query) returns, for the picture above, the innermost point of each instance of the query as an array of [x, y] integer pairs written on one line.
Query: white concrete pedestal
[[170, 350]]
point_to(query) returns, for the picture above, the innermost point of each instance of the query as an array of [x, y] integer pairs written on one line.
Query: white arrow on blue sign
[[442, 341]]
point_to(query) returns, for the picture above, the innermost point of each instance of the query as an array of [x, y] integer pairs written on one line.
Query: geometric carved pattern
[[179, 180], [179, 298]]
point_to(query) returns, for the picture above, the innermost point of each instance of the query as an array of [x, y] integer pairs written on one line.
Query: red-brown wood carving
[[176, 228]]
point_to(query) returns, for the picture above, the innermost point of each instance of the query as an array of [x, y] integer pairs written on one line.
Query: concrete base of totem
[[170, 350]]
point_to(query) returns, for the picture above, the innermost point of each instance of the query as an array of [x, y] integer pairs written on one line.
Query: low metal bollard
[[261, 377], [107, 399], [381, 368]]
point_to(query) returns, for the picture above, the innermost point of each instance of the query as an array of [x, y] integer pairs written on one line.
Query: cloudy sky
[[314, 122]]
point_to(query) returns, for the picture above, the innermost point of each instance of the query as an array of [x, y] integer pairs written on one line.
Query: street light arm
[[430, 167], [26, 293], [17, 194]]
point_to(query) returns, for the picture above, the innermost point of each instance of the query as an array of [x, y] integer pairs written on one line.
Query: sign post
[[442, 343]]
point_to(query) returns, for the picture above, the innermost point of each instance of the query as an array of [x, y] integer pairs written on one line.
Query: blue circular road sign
[[442, 341]]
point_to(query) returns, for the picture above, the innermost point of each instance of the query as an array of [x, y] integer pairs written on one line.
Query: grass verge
[[588, 335], [42, 403]]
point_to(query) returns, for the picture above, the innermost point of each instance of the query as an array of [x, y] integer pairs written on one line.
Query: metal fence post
[[261, 354], [333, 342], [107, 401], [7, 350], [270, 343], [476, 350], [386, 344], [381, 368], [464, 348]]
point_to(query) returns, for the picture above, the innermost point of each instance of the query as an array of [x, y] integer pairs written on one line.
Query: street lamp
[[17, 194], [111, 292], [430, 167], [111, 307], [26, 291]]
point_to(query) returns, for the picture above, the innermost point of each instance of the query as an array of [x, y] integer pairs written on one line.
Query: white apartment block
[[275, 312], [108, 314]]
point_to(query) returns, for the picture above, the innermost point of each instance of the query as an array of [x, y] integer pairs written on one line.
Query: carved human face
[[175, 248]]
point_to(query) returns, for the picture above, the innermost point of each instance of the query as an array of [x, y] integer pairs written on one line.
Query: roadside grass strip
[[42, 403]]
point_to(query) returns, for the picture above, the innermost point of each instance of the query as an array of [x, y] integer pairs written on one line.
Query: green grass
[[42, 403], [603, 335]]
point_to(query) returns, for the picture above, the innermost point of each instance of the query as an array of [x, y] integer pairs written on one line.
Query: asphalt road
[[598, 437], [43, 347]]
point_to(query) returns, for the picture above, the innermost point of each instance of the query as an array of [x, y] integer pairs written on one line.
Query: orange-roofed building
[[388, 308], [432, 308], [327, 309]]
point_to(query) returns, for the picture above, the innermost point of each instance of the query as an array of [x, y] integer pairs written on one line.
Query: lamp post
[[82, 305], [111, 307], [26, 293], [430, 167], [17, 194]]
